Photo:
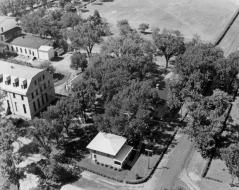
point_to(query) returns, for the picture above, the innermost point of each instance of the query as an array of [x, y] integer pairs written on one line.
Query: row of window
[[20, 50], [40, 79], [39, 103], [41, 89], [23, 106], [14, 96]]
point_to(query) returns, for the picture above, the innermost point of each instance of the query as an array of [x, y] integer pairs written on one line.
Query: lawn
[[203, 17]]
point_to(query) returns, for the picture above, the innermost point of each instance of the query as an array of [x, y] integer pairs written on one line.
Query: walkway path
[[168, 171]]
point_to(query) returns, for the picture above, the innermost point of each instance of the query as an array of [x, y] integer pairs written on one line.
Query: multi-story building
[[28, 90], [9, 28]]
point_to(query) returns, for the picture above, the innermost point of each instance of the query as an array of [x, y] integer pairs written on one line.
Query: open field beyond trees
[[203, 17]]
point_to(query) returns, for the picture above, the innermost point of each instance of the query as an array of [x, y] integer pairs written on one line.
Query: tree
[[207, 123], [143, 27], [63, 113], [85, 93], [168, 43], [85, 36], [47, 66], [8, 161], [231, 157], [69, 19], [78, 60], [124, 27], [9, 171], [130, 111], [69, 7]]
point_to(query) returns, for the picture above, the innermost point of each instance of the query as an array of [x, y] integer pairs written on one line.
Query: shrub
[[78, 60], [143, 27], [48, 66]]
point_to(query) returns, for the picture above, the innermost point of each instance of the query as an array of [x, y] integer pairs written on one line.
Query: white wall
[[105, 160], [30, 52]]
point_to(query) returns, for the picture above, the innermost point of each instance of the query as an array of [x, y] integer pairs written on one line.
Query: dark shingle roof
[[30, 41]]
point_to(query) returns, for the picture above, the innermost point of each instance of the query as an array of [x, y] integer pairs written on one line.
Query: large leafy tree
[[231, 157], [63, 113], [168, 43], [85, 36], [8, 160], [79, 60], [207, 122], [130, 111]]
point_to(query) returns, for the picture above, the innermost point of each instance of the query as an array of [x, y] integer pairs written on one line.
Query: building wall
[[41, 93], [46, 55], [29, 52], [16, 102], [104, 160], [10, 34]]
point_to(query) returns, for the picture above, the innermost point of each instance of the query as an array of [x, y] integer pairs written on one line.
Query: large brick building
[[27, 90]]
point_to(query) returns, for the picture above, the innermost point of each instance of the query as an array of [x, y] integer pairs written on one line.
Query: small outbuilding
[[46, 52], [110, 150]]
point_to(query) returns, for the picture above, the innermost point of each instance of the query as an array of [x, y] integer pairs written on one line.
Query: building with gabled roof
[[28, 90], [32, 46], [109, 149], [8, 28]]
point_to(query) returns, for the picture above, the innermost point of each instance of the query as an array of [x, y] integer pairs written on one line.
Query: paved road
[[167, 174], [230, 41]]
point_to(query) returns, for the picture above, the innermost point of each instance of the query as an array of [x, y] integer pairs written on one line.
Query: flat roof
[[107, 143], [45, 48], [123, 153], [30, 41], [17, 70]]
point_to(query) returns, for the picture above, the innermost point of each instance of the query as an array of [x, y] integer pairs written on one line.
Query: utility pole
[[149, 154]]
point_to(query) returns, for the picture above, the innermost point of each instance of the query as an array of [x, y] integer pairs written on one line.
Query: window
[[43, 77], [32, 95], [14, 95], [21, 50], [24, 108], [16, 105], [37, 92], [34, 106], [49, 82], [2, 29], [25, 50], [38, 103], [29, 51], [35, 82], [33, 53], [46, 97], [116, 162], [12, 48], [42, 99], [17, 49], [44, 85], [22, 97]]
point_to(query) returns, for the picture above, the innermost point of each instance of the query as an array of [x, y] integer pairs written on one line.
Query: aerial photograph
[[119, 94]]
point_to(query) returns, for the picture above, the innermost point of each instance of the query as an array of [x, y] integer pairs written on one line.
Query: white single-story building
[[46, 52], [109, 149], [32, 46]]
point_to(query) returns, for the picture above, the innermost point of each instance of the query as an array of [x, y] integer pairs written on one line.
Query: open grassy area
[[204, 17]]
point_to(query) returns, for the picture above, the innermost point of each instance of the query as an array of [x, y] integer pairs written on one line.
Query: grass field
[[203, 17]]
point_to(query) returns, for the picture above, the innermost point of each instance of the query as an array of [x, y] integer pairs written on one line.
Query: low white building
[[32, 47], [109, 149], [46, 52]]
